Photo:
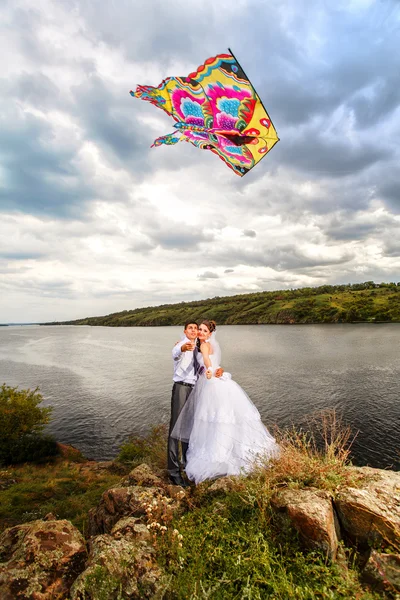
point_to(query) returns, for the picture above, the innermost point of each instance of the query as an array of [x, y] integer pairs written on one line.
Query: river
[[107, 383]]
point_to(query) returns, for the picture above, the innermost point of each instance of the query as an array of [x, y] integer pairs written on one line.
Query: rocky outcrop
[[131, 528], [365, 514], [118, 568], [40, 560], [223, 485], [132, 497], [117, 503], [311, 513], [370, 513], [48, 558], [143, 475], [122, 562], [383, 571]]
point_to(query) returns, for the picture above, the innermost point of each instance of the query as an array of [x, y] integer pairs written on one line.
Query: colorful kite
[[216, 108]]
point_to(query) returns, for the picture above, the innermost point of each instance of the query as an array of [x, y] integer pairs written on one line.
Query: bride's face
[[204, 332]]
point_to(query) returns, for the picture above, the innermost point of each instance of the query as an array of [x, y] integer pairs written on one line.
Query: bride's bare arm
[[205, 350]]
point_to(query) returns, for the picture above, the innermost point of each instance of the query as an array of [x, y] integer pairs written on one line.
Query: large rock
[[134, 501], [40, 560], [222, 485], [131, 528], [311, 513], [117, 503], [383, 571], [371, 512], [118, 568], [144, 476]]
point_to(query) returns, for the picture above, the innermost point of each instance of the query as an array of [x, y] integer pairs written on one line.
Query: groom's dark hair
[[190, 323]]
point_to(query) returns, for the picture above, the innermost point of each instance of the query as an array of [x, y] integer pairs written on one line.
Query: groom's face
[[191, 331]]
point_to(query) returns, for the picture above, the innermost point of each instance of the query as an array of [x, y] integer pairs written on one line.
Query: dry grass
[[316, 455]]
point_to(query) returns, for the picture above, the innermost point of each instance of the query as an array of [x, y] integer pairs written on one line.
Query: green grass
[[61, 487], [225, 546], [231, 546], [150, 449], [232, 549]]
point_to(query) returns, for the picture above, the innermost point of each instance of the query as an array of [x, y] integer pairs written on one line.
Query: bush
[[21, 424], [31, 448], [151, 449]]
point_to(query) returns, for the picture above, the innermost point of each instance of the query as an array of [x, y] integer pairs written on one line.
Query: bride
[[220, 422]]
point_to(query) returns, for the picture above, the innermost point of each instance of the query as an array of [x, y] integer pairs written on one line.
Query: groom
[[185, 376]]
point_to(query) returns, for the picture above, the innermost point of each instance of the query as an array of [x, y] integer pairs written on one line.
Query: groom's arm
[[180, 347], [177, 350]]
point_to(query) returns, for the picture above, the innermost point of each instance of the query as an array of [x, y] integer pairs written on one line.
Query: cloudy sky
[[93, 221]]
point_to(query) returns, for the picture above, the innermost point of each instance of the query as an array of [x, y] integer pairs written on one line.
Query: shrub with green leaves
[[21, 425], [151, 448]]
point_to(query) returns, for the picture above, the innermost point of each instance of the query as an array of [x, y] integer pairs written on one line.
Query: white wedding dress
[[223, 427]]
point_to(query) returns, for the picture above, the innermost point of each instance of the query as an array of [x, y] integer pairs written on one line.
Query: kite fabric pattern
[[215, 108]]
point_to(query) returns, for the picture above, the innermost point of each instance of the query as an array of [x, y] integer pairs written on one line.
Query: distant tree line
[[344, 303]]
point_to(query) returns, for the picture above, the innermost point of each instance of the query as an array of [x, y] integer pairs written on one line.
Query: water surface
[[106, 383]]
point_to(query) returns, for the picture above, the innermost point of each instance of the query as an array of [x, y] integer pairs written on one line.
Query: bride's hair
[[211, 326]]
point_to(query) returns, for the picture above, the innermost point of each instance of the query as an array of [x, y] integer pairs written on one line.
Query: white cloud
[[93, 221]]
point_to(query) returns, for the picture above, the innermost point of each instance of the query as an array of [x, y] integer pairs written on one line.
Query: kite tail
[[150, 94], [170, 139]]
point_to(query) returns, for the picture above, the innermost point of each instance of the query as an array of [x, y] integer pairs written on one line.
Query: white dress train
[[223, 427]]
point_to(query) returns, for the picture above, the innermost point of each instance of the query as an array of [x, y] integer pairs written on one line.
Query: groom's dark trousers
[[180, 393]]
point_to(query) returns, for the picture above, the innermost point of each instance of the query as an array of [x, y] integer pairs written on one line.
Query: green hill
[[350, 303]]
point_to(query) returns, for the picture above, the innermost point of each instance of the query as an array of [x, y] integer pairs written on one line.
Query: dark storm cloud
[[38, 177], [391, 245], [74, 142], [21, 255], [35, 88], [207, 275], [391, 249], [26, 23], [44, 179], [249, 233], [347, 226], [150, 31], [296, 101], [109, 120], [281, 258], [356, 80], [142, 247], [346, 75], [171, 236], [291, 258], [329, 155], [47, 288], [296, 84], [390, 192], [373, 105], [297, 199], [334, 64]]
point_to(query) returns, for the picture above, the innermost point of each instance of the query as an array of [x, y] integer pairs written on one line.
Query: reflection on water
[[106, 383]]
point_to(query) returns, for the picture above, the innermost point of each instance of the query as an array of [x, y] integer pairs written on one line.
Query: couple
[[219, 428]]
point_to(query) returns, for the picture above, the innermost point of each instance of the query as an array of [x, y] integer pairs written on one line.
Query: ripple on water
[[107, 383]]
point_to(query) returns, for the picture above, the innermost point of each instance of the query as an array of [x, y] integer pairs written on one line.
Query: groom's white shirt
[[184, 370]]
